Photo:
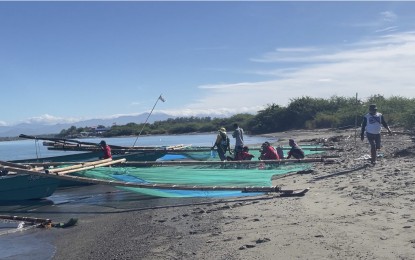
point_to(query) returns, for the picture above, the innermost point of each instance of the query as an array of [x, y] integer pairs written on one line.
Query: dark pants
[[221, 152], [374, 141]]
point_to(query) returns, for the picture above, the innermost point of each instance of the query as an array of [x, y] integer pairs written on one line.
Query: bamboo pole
[[79, 165], [193, 162], [64, 171], [176, 150], [161, 185], [26, 219], [16, 165]]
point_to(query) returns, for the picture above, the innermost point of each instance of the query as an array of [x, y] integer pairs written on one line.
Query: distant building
[[100, 130]]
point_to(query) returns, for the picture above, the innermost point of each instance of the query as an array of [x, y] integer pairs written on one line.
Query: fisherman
[[106, 149], [244, 155], [238, 134], [280, 152], [295, 150], [222, 144], [372, 124], [268, 152]]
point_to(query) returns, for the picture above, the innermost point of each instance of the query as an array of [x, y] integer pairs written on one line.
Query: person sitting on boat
[[295, 150], [106, 149], [244, 155], [268, 152], [222, 144], [280, 152]]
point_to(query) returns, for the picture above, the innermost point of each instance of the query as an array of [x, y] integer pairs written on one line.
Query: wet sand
[[354, 210]]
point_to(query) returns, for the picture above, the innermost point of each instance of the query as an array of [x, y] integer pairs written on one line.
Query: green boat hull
[[93, 156], [26, 187]]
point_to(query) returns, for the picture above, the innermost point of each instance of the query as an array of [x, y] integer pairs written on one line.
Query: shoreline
[[353, 211]]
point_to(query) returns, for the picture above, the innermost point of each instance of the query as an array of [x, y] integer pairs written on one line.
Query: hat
[[102, 142], [222, 129], [291, 141], [373, 107]]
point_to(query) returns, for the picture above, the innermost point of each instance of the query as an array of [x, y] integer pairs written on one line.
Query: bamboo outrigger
[[61, 176], [75, 145], [193, 162]]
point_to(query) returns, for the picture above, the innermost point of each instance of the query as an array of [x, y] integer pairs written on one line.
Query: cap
[[373, 107], [102, 142]]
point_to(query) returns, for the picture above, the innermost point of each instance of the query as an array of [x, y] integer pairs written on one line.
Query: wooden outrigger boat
[[16, 184], [75, 145], [15, 187], [93, 153], [62, 174]]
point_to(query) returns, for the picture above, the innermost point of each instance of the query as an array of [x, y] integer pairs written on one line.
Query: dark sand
[[353, 211]]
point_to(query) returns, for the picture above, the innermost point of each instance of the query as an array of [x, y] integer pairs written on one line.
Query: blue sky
[[70, 61]]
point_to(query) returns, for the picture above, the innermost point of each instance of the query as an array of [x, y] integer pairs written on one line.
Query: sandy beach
[[354, 210]]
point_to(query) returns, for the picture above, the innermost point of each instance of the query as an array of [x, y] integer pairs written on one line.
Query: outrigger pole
[[62, 175], [159, 98]]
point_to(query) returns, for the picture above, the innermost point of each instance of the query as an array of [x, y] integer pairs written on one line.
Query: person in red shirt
[[268, 152], [244, 154], [106, 149]]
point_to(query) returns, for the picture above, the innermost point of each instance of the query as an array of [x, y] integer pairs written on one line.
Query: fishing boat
[[94, 155], [170, 182], [17, 181], [199, 153], [16, 187], [87, 151]]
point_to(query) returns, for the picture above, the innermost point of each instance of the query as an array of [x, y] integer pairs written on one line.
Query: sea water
[[85, 201], [28, 148]]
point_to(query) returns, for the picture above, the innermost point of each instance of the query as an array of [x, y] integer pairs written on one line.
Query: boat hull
[[92, 156], [26, 187]]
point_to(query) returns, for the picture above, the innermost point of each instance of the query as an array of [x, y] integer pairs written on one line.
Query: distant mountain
[[39, 129]]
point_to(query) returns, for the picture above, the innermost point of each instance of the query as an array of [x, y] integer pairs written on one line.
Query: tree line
[[301, 113]]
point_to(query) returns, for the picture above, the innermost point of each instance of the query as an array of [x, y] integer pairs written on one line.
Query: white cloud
[[2, 123], [388, 16], [49, 119], [377, 66]]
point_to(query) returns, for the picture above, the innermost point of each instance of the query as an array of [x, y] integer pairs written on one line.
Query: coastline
[[353, 211]]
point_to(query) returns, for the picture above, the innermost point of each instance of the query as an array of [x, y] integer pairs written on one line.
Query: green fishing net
[[238, 176]]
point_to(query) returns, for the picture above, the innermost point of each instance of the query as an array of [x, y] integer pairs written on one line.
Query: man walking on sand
[[372, 124]]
